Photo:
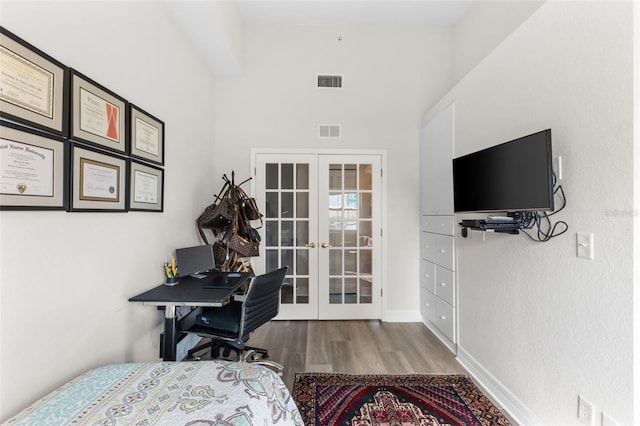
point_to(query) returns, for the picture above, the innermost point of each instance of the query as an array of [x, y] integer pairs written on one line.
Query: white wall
[[390, 77], [480, 30], [66, 277], [548, 325]]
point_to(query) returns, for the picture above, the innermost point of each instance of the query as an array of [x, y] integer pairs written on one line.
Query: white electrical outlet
[[584, 245], [585, 411]]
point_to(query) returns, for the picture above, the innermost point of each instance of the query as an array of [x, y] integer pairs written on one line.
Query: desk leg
[[170, 334]]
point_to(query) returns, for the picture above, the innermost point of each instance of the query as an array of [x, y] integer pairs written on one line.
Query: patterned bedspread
[[201, 393]]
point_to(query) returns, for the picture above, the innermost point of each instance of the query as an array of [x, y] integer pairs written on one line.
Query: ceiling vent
[[330, 81], [328, 131]]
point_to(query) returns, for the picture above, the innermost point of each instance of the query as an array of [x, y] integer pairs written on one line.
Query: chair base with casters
[[230, 326]]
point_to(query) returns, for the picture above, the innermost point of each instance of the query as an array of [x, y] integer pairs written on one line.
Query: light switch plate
[[584, 245]]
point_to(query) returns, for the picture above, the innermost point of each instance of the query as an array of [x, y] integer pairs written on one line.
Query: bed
[[203, 393]]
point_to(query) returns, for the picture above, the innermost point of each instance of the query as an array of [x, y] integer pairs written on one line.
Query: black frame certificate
[[146, 136], [32, 86], [32, 170], [146, 187], [98, 116], [98, 180]]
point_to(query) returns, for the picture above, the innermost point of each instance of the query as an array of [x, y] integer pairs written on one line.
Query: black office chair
[[230, 326]]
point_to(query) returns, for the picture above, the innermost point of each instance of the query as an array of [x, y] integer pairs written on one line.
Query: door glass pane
[[365, 290], [335, 290], [335, 233], [302, 290], [287, 260], [286, 294], [287, 204], [350, 290], [271, 233], [365, 177], [287, 176], [271, 178], [335, 176], [302, 233], [271, 204], [335, 262], [271, 259], [302, 262], [302, 204], [365, 205], [365, 233], [302, 176], [350, 176], [286, 233]]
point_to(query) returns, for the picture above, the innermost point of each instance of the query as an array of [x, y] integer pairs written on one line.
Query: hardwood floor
[[357, 347]]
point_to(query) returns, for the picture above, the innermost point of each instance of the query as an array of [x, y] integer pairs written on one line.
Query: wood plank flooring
[[357, 347]]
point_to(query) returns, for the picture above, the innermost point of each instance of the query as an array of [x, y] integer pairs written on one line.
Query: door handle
[[311, 244], [325, 245]]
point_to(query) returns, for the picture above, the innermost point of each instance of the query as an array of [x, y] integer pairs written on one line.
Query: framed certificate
[[98, 180], [98, 116], [146, 187], [32, 169], [146, 136], [33, 86]]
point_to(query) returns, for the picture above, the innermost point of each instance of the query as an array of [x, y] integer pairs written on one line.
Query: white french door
[[323, 219]]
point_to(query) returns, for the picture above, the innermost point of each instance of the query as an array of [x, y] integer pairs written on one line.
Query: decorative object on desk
[[32, 170], [229, 219], [146, 136], [387, 399], [98, 180], [146, 188], [98, 116], [33, 88], [171, 272]]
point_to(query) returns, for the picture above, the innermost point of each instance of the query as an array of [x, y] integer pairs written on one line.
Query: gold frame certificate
[[32, 86], [146, 187], [32, 169], [98, 180], [98, 116]]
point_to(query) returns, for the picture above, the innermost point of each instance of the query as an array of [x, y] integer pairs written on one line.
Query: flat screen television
[[513, 176]]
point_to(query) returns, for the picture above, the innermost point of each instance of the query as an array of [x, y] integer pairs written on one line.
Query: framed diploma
[[98, 180], [146, 136], [146, 187], [98, 116], [33, 86], [32, 169]]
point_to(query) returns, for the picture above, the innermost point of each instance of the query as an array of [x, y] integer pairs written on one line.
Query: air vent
[[329, 81], [328, 131]]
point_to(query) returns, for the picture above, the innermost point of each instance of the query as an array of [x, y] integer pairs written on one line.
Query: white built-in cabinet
[[437, 242]]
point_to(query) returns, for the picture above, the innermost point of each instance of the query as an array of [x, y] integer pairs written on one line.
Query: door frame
[[383, 196]]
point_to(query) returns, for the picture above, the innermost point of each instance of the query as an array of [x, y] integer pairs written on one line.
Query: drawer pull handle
[[443, 284], [426, 246], [442, 251], [443, 317], [426, 275]]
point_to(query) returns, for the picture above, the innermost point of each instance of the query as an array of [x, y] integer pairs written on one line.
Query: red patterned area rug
[[329, 399]]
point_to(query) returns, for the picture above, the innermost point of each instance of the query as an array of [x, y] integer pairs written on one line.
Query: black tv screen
[[513, 176]]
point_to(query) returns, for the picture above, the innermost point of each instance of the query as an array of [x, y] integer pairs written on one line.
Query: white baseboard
[[402, 316], [498, 392]]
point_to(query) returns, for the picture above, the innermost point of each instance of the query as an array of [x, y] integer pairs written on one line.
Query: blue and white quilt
[[204, 393]]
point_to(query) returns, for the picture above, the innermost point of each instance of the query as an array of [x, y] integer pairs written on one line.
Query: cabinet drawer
[[445, 285], [428, 275], [443, 224], [427, 223], [427, 305], [438, 249], [445, 318]]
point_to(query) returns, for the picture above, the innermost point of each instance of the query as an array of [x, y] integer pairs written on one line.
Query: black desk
[[189, 291]]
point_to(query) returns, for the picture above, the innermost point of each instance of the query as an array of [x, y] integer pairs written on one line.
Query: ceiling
[[377, 13], [210, 36]]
